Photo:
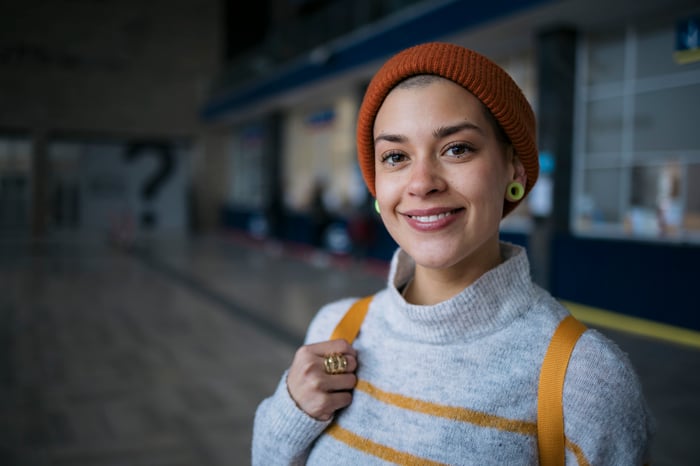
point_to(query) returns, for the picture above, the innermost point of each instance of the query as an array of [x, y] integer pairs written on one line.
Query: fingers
[[313, 387], [332, 346], [335, 356], [323, 407]]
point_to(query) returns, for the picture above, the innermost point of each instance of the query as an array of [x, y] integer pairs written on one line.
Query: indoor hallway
[[158, 355]]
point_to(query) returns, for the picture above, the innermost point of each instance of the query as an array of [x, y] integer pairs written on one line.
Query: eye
[[459, 150], [393, 158]]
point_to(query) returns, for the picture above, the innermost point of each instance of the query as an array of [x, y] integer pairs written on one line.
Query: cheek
[[481, 187], [388, 196], [383, 202], [384, 187]]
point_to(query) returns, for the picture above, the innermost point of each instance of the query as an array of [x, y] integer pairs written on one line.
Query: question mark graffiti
[[165, 167]]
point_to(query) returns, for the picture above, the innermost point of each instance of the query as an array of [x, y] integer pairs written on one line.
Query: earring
[[376, 205], [515, 191]]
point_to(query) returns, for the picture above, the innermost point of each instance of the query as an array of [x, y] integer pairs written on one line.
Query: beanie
[[476, 73]]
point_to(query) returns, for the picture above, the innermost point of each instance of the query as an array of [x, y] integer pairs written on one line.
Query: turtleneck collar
[[488, 304]]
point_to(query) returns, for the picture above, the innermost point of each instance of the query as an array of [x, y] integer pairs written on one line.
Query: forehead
[[428, 94], [469, 104]]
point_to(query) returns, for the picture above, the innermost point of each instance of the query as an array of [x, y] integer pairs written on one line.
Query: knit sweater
[[456, 383]]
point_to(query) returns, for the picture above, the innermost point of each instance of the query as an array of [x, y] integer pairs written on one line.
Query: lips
[[431, 219]]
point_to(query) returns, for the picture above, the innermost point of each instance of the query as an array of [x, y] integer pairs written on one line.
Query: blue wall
[[643, 279]]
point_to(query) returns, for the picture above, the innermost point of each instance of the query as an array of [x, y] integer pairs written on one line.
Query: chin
[[432, 259]]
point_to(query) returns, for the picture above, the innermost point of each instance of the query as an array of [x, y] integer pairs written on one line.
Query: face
[[441, 175]]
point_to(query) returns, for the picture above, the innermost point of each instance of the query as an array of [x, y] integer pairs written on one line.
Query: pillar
[[556, 71]]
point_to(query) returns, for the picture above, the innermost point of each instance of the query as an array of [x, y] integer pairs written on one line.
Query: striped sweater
[[456, 383]]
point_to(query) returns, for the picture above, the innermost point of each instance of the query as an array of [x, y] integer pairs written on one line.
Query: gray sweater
[[456, 383]]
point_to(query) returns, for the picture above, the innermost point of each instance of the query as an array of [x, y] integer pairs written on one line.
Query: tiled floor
[[158, 356]]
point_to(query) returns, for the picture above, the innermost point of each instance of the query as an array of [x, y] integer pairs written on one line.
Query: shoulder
[[326, 318], [597, 355], [603, 399]]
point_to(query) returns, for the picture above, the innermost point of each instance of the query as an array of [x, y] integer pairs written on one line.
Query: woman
[[445, 368]]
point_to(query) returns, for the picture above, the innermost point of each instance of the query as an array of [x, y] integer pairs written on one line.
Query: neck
[[431, 286]]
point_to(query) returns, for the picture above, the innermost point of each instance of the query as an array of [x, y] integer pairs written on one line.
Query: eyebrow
[[389, 138], [438, 133], [444, 131]]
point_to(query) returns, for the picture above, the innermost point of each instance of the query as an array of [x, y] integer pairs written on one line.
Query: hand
[[316, 392]]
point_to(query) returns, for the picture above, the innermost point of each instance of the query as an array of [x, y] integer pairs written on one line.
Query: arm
[[605, 413], [283, 433], [287, 423]]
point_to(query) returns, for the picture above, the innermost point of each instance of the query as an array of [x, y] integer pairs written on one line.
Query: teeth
[[430, 218]]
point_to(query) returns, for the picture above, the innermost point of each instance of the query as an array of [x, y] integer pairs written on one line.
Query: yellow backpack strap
[[349, 325], [550, 411]]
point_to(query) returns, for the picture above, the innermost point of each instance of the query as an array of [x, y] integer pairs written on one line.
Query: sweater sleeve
[[283, 433], [607, 419]]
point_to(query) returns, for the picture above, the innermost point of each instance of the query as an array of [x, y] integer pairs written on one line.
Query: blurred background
[[209, 139]]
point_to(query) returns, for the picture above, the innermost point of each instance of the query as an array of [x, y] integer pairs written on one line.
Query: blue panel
[[520, 239], [443, 20], [653, 281]]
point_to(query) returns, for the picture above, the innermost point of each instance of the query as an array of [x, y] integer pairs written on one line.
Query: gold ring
[[335, 363]]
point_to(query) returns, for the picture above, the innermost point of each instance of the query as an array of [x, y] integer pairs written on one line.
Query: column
[[556, 71]]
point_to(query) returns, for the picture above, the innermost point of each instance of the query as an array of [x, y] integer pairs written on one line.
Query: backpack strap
[[349, 325], [550, 411]]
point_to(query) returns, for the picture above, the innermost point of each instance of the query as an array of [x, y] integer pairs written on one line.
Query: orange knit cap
[[476, 73]]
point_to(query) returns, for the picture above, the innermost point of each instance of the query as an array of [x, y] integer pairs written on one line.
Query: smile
[[432, 221], [430, 218]]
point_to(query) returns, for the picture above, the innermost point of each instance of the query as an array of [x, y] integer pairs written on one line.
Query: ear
[[519, 173]]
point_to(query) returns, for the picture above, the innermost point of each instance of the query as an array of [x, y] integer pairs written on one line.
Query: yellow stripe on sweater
[[578, 452], [377, 449], [449, 412]]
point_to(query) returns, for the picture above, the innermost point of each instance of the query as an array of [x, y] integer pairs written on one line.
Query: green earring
[[515, 191], [376, 205]]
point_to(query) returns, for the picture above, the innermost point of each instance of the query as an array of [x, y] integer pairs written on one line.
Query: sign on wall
[[128, 190], [687, 40]]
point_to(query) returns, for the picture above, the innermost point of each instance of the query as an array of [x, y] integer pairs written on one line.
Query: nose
[[425, 177]]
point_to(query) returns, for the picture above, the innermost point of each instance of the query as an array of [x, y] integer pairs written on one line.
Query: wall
[[123, 71], [109, 66]]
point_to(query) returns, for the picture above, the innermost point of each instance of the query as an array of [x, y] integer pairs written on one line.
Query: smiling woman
[[448, 361], [440, 178]]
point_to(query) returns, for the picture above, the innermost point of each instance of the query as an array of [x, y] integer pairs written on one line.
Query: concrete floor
[[158, 356]]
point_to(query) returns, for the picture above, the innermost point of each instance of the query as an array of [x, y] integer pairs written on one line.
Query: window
[[637, 138], [15, 184], [248, 164]]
